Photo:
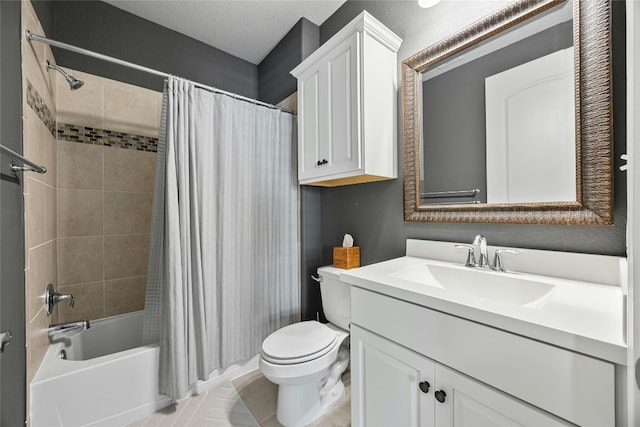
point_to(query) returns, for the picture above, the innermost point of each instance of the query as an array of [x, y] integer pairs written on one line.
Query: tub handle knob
[[51, 298]]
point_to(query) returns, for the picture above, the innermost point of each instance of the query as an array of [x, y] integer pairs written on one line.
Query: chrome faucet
[[51, 298], [68, 326], [481, 242], [471, 256], [497, 260]]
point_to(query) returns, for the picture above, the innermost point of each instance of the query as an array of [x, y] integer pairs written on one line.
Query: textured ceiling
[[244, 28]]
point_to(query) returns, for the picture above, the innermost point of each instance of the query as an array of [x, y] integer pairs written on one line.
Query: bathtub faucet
[[68, 326], [51, 298]]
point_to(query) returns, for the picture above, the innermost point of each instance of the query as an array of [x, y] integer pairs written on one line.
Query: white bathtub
[[108, 378]]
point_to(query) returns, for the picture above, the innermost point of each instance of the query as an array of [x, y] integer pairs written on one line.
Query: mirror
[[480, 142]]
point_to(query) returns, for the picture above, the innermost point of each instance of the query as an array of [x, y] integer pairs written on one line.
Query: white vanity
[[435, 343]]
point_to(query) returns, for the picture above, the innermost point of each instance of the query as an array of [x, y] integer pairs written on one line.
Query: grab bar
[[472, 202], [452, 193], [30, 166]]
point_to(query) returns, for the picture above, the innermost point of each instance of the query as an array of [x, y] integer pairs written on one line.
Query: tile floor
[[249, 400]]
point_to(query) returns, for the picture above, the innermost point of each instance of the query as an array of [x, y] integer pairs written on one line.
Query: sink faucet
[[498, 265], [483, 262], [68, 326], [481, 242]]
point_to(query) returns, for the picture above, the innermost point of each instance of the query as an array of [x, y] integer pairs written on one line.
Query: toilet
[[306, 360]]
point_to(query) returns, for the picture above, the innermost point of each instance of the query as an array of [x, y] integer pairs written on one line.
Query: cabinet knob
[[319, 163], [424, 386], [324, 161], [440, 396]]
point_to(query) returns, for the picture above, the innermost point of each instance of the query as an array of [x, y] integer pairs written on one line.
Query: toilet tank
[[336, 297]]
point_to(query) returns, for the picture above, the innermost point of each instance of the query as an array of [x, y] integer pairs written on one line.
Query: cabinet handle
[[440, 396], [319, 163], [424, 386], [324, 161]]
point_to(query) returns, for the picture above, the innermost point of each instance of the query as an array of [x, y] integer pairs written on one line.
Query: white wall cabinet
[[392, 385], [347, 107], [477, 375]]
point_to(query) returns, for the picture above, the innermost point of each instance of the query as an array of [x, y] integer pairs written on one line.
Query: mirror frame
[[594, 116]]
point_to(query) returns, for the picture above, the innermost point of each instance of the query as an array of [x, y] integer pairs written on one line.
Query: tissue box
[[346, 257]]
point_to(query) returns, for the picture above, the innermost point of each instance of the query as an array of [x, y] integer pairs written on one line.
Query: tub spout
[[68, 326]]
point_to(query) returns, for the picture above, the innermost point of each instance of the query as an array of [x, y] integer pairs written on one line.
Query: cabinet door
[[342, 150], [467, 402], [385, 386], [311, 113]]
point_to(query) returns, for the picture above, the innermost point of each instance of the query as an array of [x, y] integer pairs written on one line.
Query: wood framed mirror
[[587, 197]]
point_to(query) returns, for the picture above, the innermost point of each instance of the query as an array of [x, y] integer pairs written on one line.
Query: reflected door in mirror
[[531, 132], [459, 151]]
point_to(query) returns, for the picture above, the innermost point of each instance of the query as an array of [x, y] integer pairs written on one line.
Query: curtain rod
[[30, 36]]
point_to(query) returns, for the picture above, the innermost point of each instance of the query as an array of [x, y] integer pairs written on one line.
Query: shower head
[[73, 82]]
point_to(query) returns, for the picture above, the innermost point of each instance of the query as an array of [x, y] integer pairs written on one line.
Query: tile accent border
[[109, 138], [35, 101], [84, 134]]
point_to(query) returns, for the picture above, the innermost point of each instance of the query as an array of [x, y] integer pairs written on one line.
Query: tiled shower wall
[[107, 138], [87, 219], [39, 145]]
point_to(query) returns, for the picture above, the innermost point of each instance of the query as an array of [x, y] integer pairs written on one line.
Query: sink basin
[[483, 285]]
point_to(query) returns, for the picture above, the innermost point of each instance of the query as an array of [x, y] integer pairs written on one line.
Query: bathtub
[[107, 379]]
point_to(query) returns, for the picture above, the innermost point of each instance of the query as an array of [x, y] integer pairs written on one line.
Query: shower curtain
[[223, 257]]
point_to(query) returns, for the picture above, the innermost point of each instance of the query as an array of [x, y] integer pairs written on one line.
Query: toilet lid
[[298, 342]]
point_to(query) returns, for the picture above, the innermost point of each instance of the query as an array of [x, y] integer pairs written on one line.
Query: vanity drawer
[[573, 386]]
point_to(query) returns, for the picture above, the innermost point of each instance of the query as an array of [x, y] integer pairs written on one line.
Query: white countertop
[[584, 317]]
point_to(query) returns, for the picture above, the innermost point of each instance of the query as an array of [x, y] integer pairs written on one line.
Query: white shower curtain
[[223, 262]]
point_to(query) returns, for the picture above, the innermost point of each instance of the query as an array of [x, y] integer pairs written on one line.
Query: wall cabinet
[[347, 112], [414, 366]]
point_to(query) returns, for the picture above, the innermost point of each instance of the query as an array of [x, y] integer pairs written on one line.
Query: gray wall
[[311, 251], [373, 212], [12, 298], [275, 83], [103, 28]]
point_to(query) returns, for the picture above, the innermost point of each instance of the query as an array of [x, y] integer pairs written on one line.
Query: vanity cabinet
[[347, 110], [396, 386], [476, 375]]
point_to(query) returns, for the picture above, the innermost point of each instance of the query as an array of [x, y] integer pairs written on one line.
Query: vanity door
[[394, 386], [391, 385], [463, 402]]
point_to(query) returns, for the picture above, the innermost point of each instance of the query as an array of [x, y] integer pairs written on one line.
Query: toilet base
[[300, 405], [332, 397]]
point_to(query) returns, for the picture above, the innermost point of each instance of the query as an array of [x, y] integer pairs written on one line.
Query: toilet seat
[[298, 343]]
